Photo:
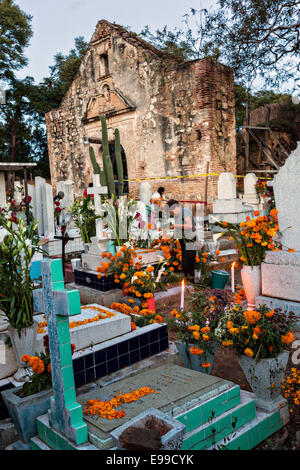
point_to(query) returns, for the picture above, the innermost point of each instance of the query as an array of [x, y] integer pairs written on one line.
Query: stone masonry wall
[[173, 117]]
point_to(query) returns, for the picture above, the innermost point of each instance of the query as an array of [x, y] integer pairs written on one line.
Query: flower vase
[[264, 377], [251, 279], [151, 304], [24, 344], [193, 361]]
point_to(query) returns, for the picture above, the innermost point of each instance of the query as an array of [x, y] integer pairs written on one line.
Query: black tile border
[[95, 365]]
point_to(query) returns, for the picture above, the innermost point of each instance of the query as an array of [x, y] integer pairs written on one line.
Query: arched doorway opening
[[114, 163]]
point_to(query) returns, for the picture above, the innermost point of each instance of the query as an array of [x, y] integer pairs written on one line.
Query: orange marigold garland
[[107, 409]]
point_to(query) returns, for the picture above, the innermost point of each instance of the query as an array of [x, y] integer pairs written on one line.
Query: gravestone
[[2, 189], [48, 210], [67, 187], [31, 193], [57, 280], [93, 258], [228, 207], [65, 414], [18, 192], [39, 184], [250, 195], [281, 269], [145, 192]]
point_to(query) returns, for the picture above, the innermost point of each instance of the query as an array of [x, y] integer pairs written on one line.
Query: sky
[[56, 23]]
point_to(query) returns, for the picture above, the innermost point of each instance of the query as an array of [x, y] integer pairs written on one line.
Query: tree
[[256, 99], [22, 128], [15, 33], [254, 37], [257, 38]]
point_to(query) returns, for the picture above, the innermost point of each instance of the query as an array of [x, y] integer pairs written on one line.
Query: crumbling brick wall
[[174, 118]]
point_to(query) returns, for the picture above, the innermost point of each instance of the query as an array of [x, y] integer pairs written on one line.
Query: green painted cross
[[65, 414]]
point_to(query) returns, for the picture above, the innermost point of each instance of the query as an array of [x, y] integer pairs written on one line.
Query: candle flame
[[233, 264], [182, 283]]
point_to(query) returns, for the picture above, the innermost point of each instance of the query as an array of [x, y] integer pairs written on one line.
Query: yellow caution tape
[[187, 176]]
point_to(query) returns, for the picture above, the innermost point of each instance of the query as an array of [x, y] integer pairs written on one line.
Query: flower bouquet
[[84, 216], [119, 215], [259, 338], [195, 331]]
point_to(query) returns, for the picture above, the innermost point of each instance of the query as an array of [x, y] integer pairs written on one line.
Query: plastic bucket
[[219, 279]]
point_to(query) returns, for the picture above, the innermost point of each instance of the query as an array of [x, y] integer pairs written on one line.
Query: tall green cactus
[[93, 160], [107, 165], [119, 163]]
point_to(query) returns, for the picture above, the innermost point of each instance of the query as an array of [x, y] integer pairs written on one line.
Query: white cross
[[97, 190]]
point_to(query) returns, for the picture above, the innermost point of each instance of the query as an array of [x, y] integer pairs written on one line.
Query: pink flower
[[142, 224]]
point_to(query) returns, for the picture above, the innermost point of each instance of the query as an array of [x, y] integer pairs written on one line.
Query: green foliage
[[259, 98], [107, 164], [119, 163], [17, 248], [256, 38], [84, 217], [22, 129], [15, 33]]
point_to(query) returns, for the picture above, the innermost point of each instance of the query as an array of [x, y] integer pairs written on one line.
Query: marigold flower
[[206, 364], [248, 352], [227, 343], [288, 338], [196, 351]]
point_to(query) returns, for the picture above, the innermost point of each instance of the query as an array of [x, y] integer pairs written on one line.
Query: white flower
[[3, 234]]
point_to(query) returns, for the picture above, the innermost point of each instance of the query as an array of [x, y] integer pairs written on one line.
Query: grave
[[281, 269], [228, 207], [190, 397], [92, 333], [186, 395], [43, 210]]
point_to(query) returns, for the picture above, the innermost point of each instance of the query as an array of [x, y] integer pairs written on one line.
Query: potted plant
[[253, 238], [259, 338], [195, 329], [28, 402], [17, 248]]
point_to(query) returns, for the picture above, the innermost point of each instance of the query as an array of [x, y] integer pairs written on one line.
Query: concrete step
[[200, 414], [248, 436], [216, 429], [38, 444]]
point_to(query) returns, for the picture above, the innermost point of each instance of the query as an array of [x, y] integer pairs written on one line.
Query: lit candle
[[232, 277], [182, 295]]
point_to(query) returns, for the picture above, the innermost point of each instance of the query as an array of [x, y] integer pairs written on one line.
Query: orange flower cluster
[[144, 312], [102, 315], [288, 338], [291, 386], [251, 316], [196, 351], [35, 363], [108, 409]]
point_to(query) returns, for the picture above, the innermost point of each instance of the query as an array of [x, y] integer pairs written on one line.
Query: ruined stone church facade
[[175, 118]]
